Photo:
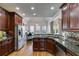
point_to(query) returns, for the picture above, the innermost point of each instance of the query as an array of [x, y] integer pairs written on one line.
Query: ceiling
[[41, 9]]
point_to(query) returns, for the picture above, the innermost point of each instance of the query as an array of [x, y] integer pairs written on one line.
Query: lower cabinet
[[70, 53], [6, 47], [44, 44], [36, 44], [51, 46]]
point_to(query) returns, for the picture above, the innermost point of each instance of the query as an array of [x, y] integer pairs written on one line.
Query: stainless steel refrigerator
[[19, 37]]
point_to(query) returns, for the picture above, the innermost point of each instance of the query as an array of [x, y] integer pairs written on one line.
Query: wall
[[32, 21], [55, 23]]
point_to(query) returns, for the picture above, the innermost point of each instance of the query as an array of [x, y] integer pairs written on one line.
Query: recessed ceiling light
[[32, 8], [52, 8], [23, 14], [17, 8], [34, 14]]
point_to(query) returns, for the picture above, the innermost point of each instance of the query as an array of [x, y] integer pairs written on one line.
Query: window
[[31, 28], [43, 29], [37, 28], [26, 28]]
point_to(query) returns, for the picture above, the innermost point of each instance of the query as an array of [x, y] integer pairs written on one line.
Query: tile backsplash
[[72, 35]]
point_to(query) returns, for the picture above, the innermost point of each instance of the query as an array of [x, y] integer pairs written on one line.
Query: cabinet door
[[3, 20], [0, 48], [18, 20], [8, 21], [42, 45], [74, 12], [70, 53], [0, 18], [50, 46], [36, 44], [65, 17], [10, 46]]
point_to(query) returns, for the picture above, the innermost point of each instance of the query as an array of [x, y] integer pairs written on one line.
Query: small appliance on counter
[[3, 35]]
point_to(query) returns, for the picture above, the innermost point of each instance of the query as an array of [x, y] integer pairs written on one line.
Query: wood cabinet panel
[[51, 46], [42, 44], [74, 22], [3, 19], [35, 44], [6, 47], [18, 20], [70, 53], [70, 18], [65, 17]]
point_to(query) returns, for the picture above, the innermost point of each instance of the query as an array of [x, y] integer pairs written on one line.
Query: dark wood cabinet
[[51, 46], [3, 20], [74, 22], [35, 44], [6, 46], [8, 21], [15, 19], [44, 44], [70, 17], [65, 17], [69, 53], [39, 44], [18, 19]]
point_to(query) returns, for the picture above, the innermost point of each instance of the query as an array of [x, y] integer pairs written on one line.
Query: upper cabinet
[[74, 22], [3, 20], [18, 19], [8, 20], [65, 17], [14, 20], [70, 16]]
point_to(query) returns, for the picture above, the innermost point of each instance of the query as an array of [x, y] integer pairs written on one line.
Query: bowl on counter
[[3, 35]]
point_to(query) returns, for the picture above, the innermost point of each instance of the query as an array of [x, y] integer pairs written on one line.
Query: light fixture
[[23, 14], [64, 8], [32, 8], [17, 8], [52, 8], [34, 14]]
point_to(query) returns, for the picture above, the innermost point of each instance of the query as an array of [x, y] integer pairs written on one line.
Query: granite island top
[[65, 43]]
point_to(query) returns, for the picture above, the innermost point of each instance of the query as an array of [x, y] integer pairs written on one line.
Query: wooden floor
[[27, 51], [41, 54]]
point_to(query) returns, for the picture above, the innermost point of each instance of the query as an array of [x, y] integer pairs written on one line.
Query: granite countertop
[[7, 38], [68, 45], [65, 43]]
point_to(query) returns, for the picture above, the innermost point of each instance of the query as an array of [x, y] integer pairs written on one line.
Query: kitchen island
[[54, 45]]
